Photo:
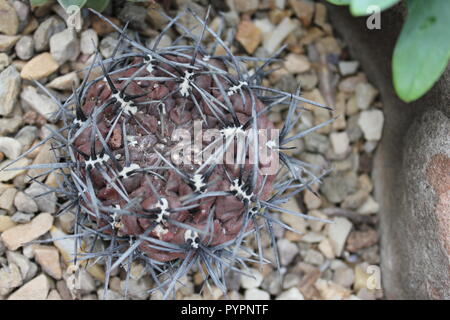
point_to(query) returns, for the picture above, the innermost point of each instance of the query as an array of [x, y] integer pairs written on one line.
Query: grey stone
[[46, 29], [23, 13], [39, 102], [27, 268], [21, 217], [134, 14], [9, 89], [26, 136], [64, 46], [256, 294], [365, 94], [371, 123], [288, 251], [10, 278], [45, 203], [315, 142], [4, 61], [10, 147], [88, 41], [291, 294], [107, 46], [25, 48], [338, 186], [290, 280], [353, 130], [347, 68]]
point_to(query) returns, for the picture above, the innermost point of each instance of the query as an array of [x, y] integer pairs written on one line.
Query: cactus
[[134, 187]]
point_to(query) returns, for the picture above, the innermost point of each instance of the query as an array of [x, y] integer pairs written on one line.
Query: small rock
[[361, 276], [315, 225], [326, 248], [291, 294], [20, 217], [371, 124], [264, 25], [361, 239], [288, 251], [251, 282], [370, 206], [88, 41], [249, 36], [67, 221], [10, 147], [7, 42], [4, 61], [164, 42], [296, 222], [304, 10], [27, 268], [54, 295], [85, 283], [10, 278], [307, 81], [64, 46], [313, 237], [353, 130], [290, 280], [11, 174], [45, 203], [313, 257], [344, 277], [6, 223], [337, 233], [245, 5], [348, 84], [7, 199], [39, 67], [331, 291], [297, 63], [39, 102], [365, 94], [315, 142], [355, 200], [137, 289], [338, 186], [26, 136], [107, 46], [45, 156], [134, 14], [273, 40], [102, 27], [256, 294], [15, 237], [9, 22], [340, 142], [36, 289], [311, 200], [48, 259], [347, 68], [45, 31], [9, 89], [25, 48]]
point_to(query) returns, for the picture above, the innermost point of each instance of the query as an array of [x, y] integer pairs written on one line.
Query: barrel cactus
[[169, 158]]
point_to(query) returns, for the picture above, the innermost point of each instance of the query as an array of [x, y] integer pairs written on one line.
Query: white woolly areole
[[93, 162], [192, 235], [77, 121], [131, 141], [239, 191], [186, 84], [160, 230], [197, 179], [162, 204], [206, 58], [271, 144], [126, 170], [127, 106], [232, 131], [149, 67], [234, 89]]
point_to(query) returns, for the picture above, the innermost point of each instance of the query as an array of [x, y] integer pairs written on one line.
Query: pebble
[[304, 10], [85, 283], [46, 203], [11, 174], [344, 277], [20, 217], [6, 223], [355, 200], [36, 289], [10, 278], [7, 199], [290, 280], [10, 147], [288, 251], [361, 239], [340, 142], [313, 237], [65, 82], [39, 102], [313, 257], [4, 61], [27, 268], [291, 294], [365, 94], [347, 68], [331, 291], [256, 294], [39, 67], [7, 42], [45, 31], [25, 48], [370, 206], [48, 259], [371, 124], [316, 142], [9, 89], [45, 155], [9, 21], [296, 63], [26, 136], [326, 248], [307, 80], [64, 46], [272, 41], [338, 186], [15, 237], [311, 200], [54, 295], [296, 222], [251, 282], [137, 289], [337, 233], [164, 42], [249, 36], [67, 221], [264, 25], [245, 5], [88, 41], [107, 46]]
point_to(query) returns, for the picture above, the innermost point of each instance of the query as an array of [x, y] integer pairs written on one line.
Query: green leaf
[[38, 3], [97, 5], [340, 2], [67, 3], [422, 51], [360, 7]]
